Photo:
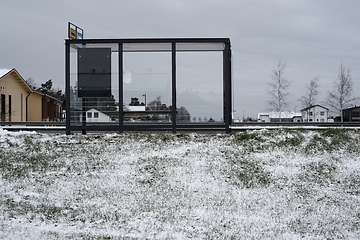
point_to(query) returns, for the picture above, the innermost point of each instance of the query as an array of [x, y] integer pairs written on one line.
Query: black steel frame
[[120, 126]]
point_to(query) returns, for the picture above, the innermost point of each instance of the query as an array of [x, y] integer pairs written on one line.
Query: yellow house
[[14, 92], [42, 107], [19, 103]]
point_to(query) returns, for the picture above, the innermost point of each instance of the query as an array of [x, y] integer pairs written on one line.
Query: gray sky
[[312, 37]]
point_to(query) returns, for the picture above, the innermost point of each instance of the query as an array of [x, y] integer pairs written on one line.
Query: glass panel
[[147, 87], [146, 47], [200, 46], [93, 85], [75, 101], [199, 87]]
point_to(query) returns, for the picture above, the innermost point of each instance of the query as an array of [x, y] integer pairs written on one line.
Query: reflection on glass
[[147, 84], [93, 86], [199, 87], [147, 87]]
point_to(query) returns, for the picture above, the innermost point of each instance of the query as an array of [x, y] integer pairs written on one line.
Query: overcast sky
[[312, 37]]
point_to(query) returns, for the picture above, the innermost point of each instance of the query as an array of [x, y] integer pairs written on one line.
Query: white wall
[[315, 114], [96, 116]]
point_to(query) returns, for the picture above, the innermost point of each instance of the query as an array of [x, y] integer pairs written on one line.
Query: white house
[[315, 113], [263, 117], [285, 116], [94, 115]]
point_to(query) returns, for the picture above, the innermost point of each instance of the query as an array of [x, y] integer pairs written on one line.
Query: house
[[351, 114], [285, 116], [14, 93], [263, 117], [315, 113], [20, 103], [94, 115], [43, 107]]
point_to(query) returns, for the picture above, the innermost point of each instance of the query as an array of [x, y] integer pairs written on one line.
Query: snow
[[267, 184], [4, 71]]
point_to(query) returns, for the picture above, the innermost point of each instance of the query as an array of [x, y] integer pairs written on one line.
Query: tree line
[[340, 98]]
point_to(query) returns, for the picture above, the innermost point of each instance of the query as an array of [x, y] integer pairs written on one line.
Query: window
[[9, 104], [89, 115], [310, 113], [3, 104], [322, 113], [322, 120], [355, 114], [96, 115]]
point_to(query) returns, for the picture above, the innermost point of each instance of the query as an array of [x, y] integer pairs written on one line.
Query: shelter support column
[[121, 88], [227, 86], [173, 82]]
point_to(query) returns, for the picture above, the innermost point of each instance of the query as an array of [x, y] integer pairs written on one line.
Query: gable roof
[[316, 105], [8, 71], [4, 72], [95, 109]]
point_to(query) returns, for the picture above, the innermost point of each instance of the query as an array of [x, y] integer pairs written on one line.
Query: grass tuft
[[247, 173]]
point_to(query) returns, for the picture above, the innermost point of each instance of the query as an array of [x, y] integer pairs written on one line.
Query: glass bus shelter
[[148, 84]]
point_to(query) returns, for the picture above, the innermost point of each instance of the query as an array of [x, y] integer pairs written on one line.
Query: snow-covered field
[[278, 184]]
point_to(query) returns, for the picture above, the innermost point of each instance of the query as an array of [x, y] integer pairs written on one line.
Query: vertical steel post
[[173, 78], [67, 85], [83, 119], [227, 86], [121, 87]]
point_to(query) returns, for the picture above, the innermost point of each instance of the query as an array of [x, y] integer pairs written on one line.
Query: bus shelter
[[148, 84]]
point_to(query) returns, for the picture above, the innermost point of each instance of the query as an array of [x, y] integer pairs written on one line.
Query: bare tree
[[341, 97], [31, 82], [311, 92], [155, 104], [310, 97], [278, 89]]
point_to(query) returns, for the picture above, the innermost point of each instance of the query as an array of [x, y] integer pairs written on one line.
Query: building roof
[[95, 109], [7, 71], [48, 96], [285, 114], [3, 72], [316, 105], [352, 108]]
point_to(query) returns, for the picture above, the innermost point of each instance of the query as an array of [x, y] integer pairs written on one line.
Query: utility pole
[[144, 95]]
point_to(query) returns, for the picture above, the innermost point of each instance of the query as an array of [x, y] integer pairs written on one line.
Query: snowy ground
[[278, 184]]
